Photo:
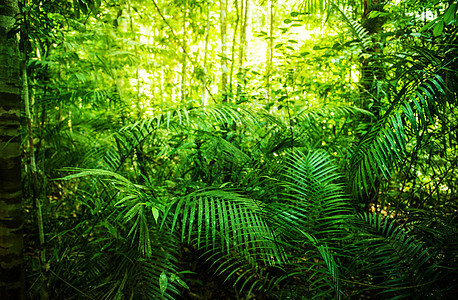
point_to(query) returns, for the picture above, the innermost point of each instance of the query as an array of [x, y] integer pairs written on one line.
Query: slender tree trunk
[[234, 39], [207, 37], [161, 88], [137, 69], [240, 74], [370, 70], [34, 172], [11, 240], [139, 148], [270, 51], [223, 12], [183, 63]]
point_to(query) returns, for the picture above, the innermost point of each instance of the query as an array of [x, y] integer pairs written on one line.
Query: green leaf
[[428, 25], [438, 28], [374, 14], [163, 282], [177, 279], [450, 14], [155, 212]]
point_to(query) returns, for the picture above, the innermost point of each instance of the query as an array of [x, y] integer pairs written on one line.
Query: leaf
[[428, 25], [374, 14], [450, 14], [438, 28], [177, 279], [155, 212], [163, 282]]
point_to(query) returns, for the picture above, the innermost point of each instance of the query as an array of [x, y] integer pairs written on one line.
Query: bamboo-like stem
[[234, 38], [270, 51], [242, 46], [223, 23], [12, 284], [207, 37], [177, 39], [183, 63], [33, 167], [137, 69]]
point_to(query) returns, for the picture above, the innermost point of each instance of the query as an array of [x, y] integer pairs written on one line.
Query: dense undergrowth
[[349, 196]]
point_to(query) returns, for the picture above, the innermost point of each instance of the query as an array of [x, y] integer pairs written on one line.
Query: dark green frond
[[217, 218], [396, 263], [315, 199], [383, 148]]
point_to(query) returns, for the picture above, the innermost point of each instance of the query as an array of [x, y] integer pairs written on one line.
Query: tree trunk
[[137, 69], [270, 48], [245, 20], [371, 71], [207, 37], [11, 240], [183, 63], [223, 4], [234, 44]]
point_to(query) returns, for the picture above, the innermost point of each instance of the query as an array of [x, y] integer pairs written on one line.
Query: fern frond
[[136, 207]]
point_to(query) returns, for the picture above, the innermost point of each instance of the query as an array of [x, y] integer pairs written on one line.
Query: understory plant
[[276, 223]]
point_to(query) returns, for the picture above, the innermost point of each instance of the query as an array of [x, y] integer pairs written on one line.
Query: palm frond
[[135, 203], [383, 148], [222, 218], [361, 34], [136, 253], [232, 230], [396, 263], [309, 218], [314, 199]]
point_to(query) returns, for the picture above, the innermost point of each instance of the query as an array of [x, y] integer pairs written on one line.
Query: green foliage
[[334, 180], [400, 266]]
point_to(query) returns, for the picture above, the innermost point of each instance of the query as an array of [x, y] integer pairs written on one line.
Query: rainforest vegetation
[[228, 149]]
